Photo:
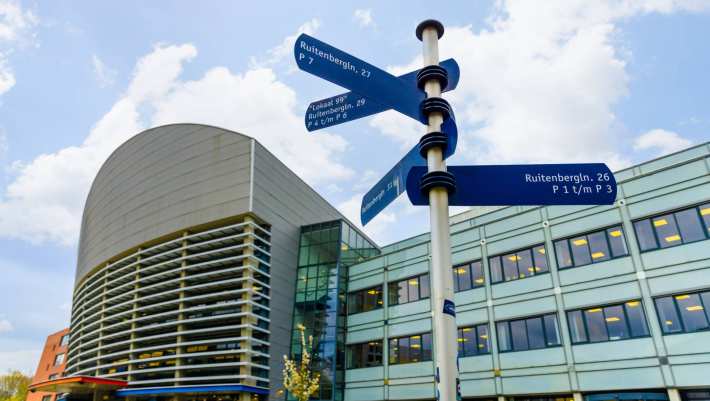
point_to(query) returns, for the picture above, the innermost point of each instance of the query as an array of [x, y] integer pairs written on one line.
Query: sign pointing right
[[527, 184]]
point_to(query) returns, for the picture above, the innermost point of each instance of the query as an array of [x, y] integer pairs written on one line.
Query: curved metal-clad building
[[187, 264]]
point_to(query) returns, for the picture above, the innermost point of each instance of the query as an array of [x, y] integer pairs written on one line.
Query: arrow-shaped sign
[[393, 184], [340, 68], [531, 184], [351, 106]]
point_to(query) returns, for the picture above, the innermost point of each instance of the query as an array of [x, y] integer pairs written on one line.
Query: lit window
[[408, 290], [365, 300], [468, 276], [410, 349], [517, 265], [594, 247], [684, 312], [608, 323], [473, 340], [529, 333], [672, 229], [364, 355]]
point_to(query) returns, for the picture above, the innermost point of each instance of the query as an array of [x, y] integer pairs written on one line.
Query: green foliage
[[13, 386]]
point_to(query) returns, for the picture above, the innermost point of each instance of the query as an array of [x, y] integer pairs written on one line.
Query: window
[[671, 229], [468, 276], [415, 348], [473, 340], [594, 247], [409, 290], [684, 313], [46, 398], [365, 300], [53, 376], [520, 264], [64, 341], [365, 355], [607, 323], [529, 333], [58, 359]]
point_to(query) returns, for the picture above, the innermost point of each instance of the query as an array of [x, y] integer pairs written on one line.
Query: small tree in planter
[[299, 379]]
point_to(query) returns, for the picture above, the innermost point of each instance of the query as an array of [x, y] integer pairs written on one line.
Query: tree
[[13, 386], [299, 379]]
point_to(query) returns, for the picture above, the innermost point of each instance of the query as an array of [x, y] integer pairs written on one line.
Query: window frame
[[468, 265], [606, 327], [367, 343], [679, 314], [527, 333], [671, 212], [586, 234], [499, 256], [419, 289], [474, 328], [361, 294], [409, 338]]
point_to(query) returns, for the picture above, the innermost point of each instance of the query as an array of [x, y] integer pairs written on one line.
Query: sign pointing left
[[340, 68], [350, 106]]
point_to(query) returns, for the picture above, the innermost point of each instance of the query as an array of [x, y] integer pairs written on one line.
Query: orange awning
[[78, 385]]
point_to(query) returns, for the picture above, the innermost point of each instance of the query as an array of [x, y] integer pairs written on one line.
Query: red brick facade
[[48, 368]]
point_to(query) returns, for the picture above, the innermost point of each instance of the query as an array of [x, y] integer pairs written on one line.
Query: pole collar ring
[[433, 72], [431, 140], [437, 179], [434, 105]]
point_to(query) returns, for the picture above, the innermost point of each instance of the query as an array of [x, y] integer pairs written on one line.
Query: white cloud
[[540, 82], [104, 75], [14, 21], [5, 326], [44, 201], [285, 49], [16, 28], [661, 141], [364, 17]]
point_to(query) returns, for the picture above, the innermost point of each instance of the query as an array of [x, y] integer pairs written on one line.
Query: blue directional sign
[[340, 68], [532, 184], [393, 184], [351, 106], [390, 186]]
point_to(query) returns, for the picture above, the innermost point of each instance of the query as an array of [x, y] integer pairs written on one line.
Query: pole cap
[[430, 23]]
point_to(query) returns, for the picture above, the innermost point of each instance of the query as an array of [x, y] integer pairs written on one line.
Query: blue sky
[[617, 82]]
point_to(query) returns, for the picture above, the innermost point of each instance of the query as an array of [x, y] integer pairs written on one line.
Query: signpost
[[527, 184], [350, 106], [422, 172]]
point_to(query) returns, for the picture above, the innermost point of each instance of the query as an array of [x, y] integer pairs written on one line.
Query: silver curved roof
[[169, 178]]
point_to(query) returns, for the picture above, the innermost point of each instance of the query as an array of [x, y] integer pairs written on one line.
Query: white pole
[[443, 324]]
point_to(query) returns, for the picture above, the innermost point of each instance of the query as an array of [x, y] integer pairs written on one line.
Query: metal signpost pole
[[442, 292]]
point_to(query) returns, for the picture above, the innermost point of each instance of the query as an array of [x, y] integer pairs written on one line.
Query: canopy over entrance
[[79, 385]]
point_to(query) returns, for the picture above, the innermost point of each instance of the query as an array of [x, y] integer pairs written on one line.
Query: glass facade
[[684, 313], [672, 229], [519, 264], [326, 251]]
